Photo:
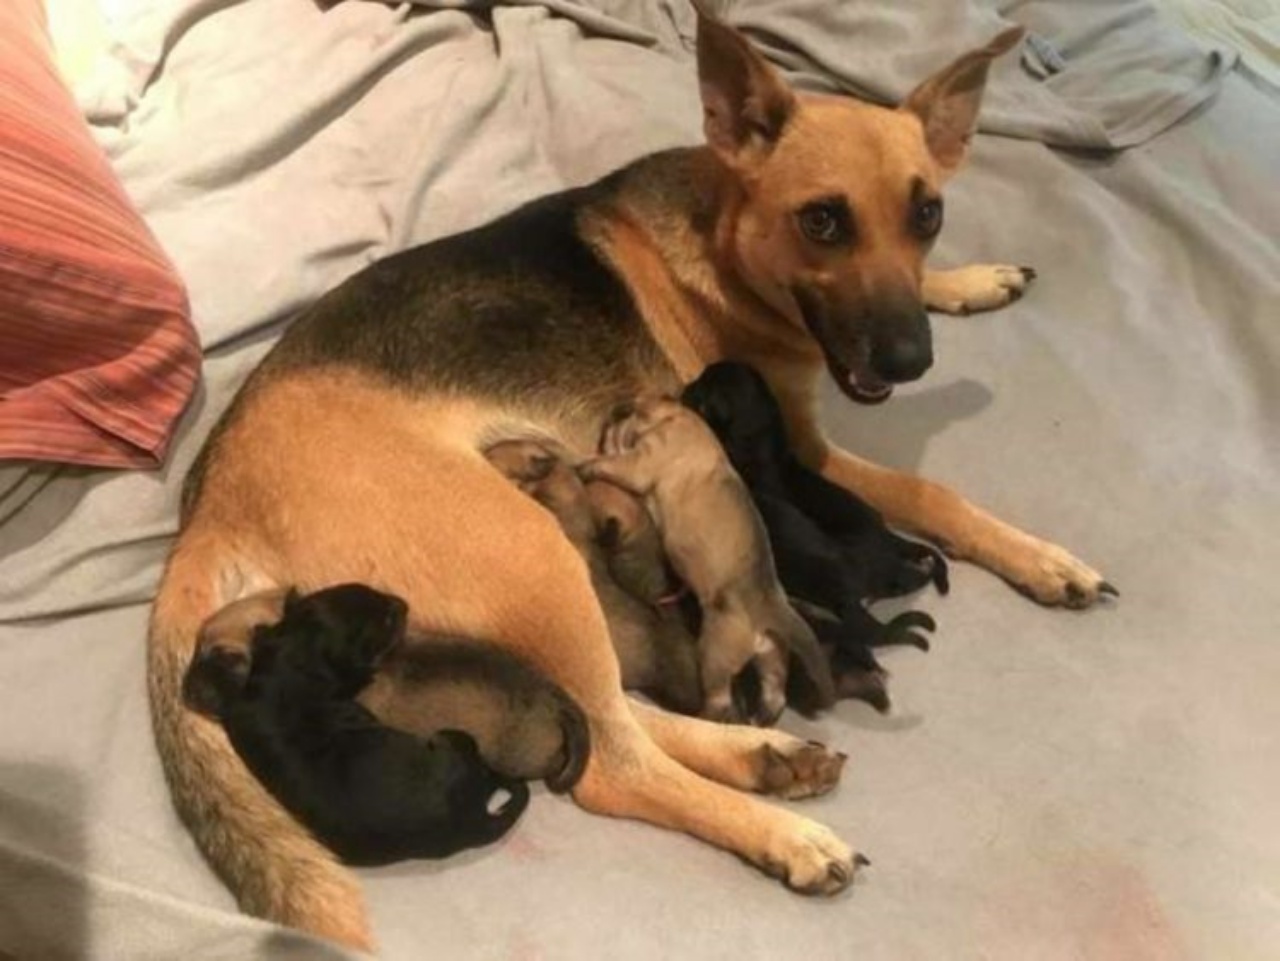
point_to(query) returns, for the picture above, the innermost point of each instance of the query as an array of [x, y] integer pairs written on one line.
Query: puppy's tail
[[577, 744], [275, 869], [787, 628]]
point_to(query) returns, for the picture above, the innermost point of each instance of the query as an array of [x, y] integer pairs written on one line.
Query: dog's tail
[[577, 744], [275, 869], [787, 628]]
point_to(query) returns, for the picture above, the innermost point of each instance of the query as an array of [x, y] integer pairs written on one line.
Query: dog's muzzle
[[868, 354]]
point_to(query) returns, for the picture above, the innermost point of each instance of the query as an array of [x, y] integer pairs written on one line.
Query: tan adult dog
[[795, 238]]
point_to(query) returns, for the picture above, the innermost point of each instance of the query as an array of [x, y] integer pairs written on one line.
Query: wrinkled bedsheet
[[1052, 785]]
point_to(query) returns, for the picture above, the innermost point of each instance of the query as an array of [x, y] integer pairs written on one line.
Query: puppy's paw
[[978, 287], [722, 709], [1051, 575], [810, 859], [799, 769], [856, 684]]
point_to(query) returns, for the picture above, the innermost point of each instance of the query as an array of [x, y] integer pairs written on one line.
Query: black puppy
[[371, 793], [832, 550]]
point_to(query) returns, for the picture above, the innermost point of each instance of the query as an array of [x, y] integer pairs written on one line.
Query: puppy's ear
[[947, 103], [745, 101]]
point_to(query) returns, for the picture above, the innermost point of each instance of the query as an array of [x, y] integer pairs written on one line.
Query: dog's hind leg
[[631, 776], [551, 611], [276, 869], [764, 760]]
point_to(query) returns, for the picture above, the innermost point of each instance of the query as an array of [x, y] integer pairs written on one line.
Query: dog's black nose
[[901, 359]]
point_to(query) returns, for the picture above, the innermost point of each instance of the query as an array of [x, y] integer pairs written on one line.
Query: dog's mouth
[[857, 381], [849, 367]]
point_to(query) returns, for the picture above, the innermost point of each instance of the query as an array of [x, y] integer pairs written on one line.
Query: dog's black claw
[[918, 641], [941, 577], [1015, 294], [1106, 587], [860, 860], [899, 630], [914, 619], [1028, 273]]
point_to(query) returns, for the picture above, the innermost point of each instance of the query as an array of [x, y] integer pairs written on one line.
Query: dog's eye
[[826, 222], [926, 221]]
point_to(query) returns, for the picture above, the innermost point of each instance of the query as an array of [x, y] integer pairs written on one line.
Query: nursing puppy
[[525, 727], [373, 795], [812, 514], [833, 551], [656, 652], [633, 545], [716, 543]]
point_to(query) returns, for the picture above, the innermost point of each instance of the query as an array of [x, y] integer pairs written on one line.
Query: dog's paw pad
[[800, 770], [976, 288], [814, 861], [1051, 575]]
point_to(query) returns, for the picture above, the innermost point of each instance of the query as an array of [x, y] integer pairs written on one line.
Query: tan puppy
[[524, 726], [656, 652], [633, 545], [663, 452]]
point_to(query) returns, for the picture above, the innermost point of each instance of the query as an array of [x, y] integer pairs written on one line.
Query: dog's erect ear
[[745, 102], [947, 103]]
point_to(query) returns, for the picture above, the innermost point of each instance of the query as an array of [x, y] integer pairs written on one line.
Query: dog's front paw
[[801, 769], [1051, 575], [810, 859], [978, 287]]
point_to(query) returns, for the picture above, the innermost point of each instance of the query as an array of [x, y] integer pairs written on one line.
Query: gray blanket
[[1052, 785]]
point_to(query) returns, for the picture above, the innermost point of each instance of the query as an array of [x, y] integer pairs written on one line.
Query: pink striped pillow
[[97, 354]]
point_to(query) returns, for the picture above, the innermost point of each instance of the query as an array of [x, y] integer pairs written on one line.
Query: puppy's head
[[348, 628], [524, 462], [838, 202], [219, 667], [549, 479], [740, 409], [619, 516], [665, 421], [215, 676]]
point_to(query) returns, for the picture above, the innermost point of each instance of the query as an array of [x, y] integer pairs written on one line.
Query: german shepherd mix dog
[[794, 239]]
